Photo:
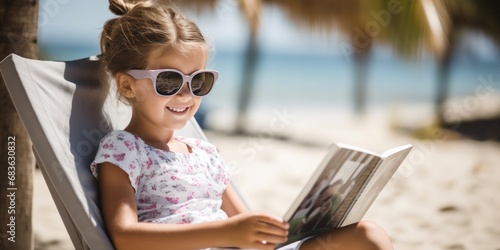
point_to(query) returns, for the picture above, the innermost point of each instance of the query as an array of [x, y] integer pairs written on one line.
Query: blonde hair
[[141, 28]]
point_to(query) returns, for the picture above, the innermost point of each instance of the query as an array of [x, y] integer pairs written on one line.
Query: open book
[[342, 188]]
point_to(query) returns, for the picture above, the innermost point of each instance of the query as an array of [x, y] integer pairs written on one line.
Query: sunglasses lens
[[168, 83], [202, 83]]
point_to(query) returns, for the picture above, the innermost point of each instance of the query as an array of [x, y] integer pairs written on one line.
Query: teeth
[[179, 110]]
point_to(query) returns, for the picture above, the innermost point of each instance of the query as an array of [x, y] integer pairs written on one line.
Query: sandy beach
[[443, 197]]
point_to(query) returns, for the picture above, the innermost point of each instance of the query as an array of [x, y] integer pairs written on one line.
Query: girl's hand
[[256, 230]]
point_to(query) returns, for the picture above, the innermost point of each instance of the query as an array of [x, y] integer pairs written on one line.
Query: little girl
[[161, 191]]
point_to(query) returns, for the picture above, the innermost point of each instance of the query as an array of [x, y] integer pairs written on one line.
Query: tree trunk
[[18, 33], [248, 79], [251, 9], [360, 81], [442, 86], [443, 79]]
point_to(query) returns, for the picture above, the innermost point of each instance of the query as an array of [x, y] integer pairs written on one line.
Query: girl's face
[[173, 112]]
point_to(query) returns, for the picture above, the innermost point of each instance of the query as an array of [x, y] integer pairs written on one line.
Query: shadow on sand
[[480, 129]]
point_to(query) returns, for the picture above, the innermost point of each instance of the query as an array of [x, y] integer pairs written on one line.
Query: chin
[[177, 125]]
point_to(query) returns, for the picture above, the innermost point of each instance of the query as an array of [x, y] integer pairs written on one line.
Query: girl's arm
[[232, 203], [119, 209]]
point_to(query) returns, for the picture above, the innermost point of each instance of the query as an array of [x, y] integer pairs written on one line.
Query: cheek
[[143, 90], [151, 102], [196, 103]]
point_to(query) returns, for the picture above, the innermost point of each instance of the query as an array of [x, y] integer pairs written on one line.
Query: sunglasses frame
[[153, 75]]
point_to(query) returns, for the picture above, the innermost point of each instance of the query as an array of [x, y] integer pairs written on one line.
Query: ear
[[124, 83]]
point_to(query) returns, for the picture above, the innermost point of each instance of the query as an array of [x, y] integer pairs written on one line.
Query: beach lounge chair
[[61, 107]]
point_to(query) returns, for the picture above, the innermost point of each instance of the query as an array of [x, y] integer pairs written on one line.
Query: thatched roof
[[324, 16], [421, 25]]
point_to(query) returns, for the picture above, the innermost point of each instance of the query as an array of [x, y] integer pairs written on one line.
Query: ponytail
[[120, 7]]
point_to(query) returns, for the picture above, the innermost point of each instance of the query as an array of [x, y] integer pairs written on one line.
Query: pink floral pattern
[[169, 187]]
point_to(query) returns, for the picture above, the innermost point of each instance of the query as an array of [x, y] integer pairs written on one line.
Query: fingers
[[271, 238], [264, 245], [272, 230], [273, 227], [261, 230], [272, 220]]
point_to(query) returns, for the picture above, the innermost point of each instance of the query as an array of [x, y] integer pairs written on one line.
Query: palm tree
[[251, 10], [436, 26], [18, 35], [479, 15], [346, 17], [424, 25]]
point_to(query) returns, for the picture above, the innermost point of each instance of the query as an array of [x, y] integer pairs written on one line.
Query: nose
[[184, 93]]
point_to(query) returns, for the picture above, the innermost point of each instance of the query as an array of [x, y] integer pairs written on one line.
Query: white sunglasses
[[168, 82]]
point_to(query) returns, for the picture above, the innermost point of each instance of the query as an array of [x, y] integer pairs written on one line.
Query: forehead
[[188, 61]]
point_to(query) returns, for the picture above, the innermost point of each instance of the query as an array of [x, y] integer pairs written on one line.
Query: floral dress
[[169, 187]]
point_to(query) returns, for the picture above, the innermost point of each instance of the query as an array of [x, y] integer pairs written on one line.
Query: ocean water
[[311, 81]]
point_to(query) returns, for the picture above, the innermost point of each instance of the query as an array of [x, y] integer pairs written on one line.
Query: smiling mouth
[[178, 110]]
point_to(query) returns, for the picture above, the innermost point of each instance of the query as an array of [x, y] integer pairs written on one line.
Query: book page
[[371, 162], [377, 182], [331, 193], [397, 150]]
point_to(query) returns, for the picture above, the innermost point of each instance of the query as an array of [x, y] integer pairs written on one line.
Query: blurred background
[[316, 58], [297, 75]]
